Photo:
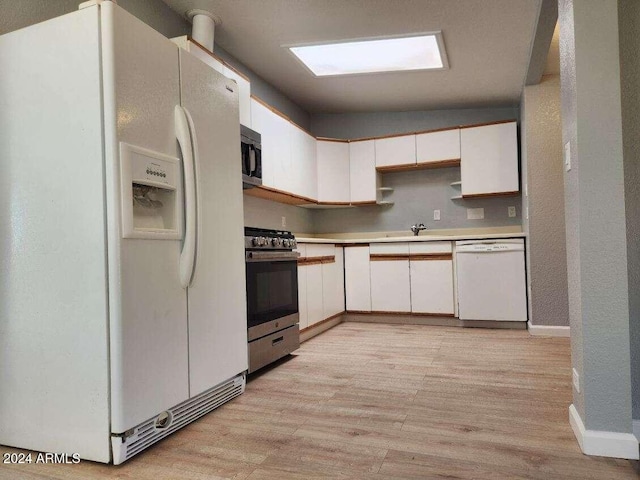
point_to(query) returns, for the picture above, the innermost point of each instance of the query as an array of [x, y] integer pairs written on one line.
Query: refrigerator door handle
[[188, 254]]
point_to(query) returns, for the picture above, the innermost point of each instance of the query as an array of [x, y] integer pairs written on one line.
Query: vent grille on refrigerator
[[151, 431]]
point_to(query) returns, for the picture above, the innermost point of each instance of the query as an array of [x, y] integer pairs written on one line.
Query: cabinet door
[[438, 146], [390, 281], [276, 148], [302, 289], [244, 95], [314, 294], [432, 286], [362, 171], [303, 161], [395, 151], [333, 171], [357, 279], [339, 280], [489, 159]]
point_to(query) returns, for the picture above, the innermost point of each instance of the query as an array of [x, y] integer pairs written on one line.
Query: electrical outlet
[[436, 214], [284, 222], [576, 380], [475, 213], [567, 156], [512, 212]]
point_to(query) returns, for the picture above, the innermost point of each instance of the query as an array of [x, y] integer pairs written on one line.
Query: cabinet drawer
[[389, 248], [268, 349], [426, 248], [319, 250]]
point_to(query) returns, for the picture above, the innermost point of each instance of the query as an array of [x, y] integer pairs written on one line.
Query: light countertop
[[425, 236]]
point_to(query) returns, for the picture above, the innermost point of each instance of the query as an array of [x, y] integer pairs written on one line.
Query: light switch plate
[[284, 222], [436, 214], [567, 156], [475, 213], [512, 212]]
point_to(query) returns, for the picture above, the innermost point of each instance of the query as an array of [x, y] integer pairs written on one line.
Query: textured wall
[[629, 24], [267, 92], [541, 132], [266, 214], [595, 216], [359, 125], [416, 195]]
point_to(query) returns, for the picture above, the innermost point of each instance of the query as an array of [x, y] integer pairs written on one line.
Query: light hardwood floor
[[375, 401]]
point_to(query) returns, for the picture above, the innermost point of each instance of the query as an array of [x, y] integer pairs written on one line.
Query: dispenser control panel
[[151, 194]]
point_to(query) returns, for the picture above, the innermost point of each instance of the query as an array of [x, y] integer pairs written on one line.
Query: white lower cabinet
[[357, 277], [333, 284], [320, 283], [315, 310], [390, 280], [431, 265], [302, 290]]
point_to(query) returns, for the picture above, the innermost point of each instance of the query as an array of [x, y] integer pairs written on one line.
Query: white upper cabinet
[[432, 147], [303, 159], [362, 171], [244, 95], [276, 147], [393, 151], [489, 159], [333, 171]]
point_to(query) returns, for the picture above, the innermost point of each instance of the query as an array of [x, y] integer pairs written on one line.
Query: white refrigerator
[[122, 293]]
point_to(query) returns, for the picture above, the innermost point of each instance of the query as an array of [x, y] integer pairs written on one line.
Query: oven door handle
[[271, 256]]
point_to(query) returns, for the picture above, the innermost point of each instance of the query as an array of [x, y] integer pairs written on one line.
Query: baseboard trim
[[548, 330], [602, 443], [321, 327], [636, 428]]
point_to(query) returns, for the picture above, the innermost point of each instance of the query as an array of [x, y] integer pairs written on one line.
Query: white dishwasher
[[491, 280]]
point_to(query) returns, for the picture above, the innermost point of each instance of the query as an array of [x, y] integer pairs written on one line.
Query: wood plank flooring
[[381, 402]]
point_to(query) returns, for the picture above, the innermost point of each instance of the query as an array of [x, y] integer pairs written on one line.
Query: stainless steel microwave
[[251, 157]]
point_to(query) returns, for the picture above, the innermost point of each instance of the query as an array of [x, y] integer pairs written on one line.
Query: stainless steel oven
[[272, 295]]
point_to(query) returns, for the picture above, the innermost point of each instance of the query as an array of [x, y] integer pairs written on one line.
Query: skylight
[[423, 52]]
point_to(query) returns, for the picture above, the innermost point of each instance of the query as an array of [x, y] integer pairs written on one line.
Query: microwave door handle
[[252, 160], [246, 166], [258, 160]]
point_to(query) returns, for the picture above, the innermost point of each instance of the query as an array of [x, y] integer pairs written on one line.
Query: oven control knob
[[263, 241], [287, 243], [255, 241], [276, 242], [294, 243]]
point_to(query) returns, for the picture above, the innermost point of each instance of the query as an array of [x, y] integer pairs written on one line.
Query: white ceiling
[[488, 45]]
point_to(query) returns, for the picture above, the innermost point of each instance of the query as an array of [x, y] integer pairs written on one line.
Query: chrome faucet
[[417, 228]]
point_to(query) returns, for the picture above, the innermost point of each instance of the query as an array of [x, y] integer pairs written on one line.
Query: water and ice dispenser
[[151, 194]]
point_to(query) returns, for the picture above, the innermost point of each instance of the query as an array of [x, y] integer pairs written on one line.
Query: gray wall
[[542, 172], [359, 125], [267, 214], [595, 213], [416, 195], [629, 24], [267, 92]]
